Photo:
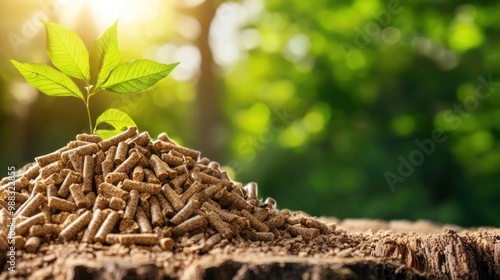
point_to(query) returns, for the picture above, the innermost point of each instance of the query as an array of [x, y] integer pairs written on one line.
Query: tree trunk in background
[[207, 99]]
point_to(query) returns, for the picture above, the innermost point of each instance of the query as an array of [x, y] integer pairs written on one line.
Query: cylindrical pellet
[[108, 189], [76, 226], [32, 205], [141, 187], [156, 217], [129, 133], [32, 244], [139, 239], [166, 146], [78, 196], [47, 159], [219, 225], [186, 212], [142, 139], [129, 163], [307, 233], [171, 160], [172, 197], [142, 221], [61, 204], [88, 174], [24, 226], [116, 203], [51, 168], [106, 227], [194, 188], [71, 178], [131, 207], [121, 153], [94, 225], [258, 236], [101, 202], [166, 208], [166, 243], [275, 221], [161, 169], [314, 223], [88, 138], [256, 224], [150, 177], [189, 225], [138, 173], [211, 242]]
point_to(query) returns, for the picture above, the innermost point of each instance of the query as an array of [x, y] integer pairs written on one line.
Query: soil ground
[[357, 249]]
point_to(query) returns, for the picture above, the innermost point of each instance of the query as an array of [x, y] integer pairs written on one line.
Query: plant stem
[[87, 105]]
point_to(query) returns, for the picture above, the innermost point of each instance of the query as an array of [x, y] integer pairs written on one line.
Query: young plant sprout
[[99, 71]]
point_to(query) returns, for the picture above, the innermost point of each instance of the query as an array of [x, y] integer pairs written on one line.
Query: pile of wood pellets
[[133, 190]]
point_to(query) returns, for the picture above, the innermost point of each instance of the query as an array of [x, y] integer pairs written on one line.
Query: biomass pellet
[[70, 218], [129, 163], [252, 190], [32, 205], [51, 169], [142, 139], [24, 226], [131, 207], [20, 241], [166, 208], [261, 214], [141, 187], [107, 167], [121, 153], [88, 174], [179, 180], [129, 133], [76, 226], [166, 146], [116, 203], [314, 223], [161, 169], [143, 151], [271, 203], [101, 202], [219, 225], [88, 149], [94, 225], [77, 162], [156, 217], [258, 236], [138, 239], [91, 197], [61, 204], [138, 173], [142, 221], [78, 196], [54, 178], [172, 197], [71, 178], [88, 138], [307, 233], [195, 187], [32, 172], [191, 206], [111, 190], [150, 176], [275, 221], [256, 224], [189, 225], [144, 203], [115, 177], [32, 244], [107, 226], [210, 191], [113, 238], [111, 153], [166, 243], [98, 160], [211, 242], [51, 191], [171, 160], [60, 218], [47, 159]]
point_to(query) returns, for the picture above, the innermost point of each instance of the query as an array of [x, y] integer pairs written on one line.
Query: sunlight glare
[[106, 12]]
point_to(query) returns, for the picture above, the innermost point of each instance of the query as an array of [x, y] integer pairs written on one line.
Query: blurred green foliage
[[323, 99]]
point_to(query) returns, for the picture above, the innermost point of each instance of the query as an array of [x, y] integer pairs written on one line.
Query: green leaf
[[48, 80], [115, 118], [104, 55], [67, 51], [137, 75]]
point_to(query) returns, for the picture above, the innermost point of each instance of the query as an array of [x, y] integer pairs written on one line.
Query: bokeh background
[[320, 102]]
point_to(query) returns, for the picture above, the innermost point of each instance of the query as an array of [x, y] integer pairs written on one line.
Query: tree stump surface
[[357, 249]]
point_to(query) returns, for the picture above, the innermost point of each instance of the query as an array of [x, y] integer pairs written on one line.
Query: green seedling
[[99, 71]]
